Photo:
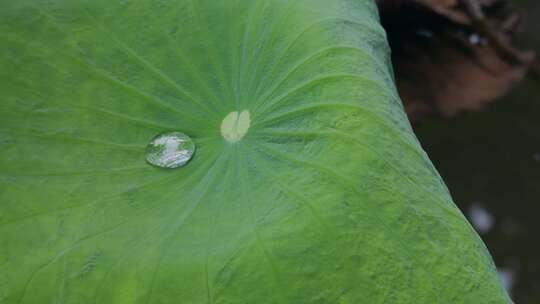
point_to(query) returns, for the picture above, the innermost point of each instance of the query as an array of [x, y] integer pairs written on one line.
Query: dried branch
[[475, 19], [450, 14], [505, 49]]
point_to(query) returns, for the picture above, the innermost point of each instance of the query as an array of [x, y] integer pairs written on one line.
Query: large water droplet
[[170, 150]]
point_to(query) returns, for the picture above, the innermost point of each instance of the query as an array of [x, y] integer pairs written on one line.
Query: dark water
[[491, 163]]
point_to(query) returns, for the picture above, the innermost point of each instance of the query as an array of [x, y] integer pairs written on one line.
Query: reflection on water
[[481, 219], [507, 276], [491, 163]]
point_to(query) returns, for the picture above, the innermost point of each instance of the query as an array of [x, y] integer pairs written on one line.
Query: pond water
[[491, 162]]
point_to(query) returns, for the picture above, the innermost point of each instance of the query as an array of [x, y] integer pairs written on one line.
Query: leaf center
[[235, 125]]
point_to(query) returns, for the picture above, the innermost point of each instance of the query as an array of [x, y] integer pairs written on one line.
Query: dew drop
[[170, 150]]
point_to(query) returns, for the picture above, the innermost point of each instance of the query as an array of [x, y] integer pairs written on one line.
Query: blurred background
[[477, 114]]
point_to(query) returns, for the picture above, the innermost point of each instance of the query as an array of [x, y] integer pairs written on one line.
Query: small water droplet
[[170, 150]]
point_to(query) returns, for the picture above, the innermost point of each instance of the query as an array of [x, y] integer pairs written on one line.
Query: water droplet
[[170, 150]]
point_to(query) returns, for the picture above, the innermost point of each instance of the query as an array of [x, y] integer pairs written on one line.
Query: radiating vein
[[343, 180], [209, 178], [337, 134], [59, 136], [79, 172], [287, 190], [301, 110], [241, 88], [212, 231], [258, 36], [211, 52], [194, 176], [243, 181], [283, 54], [89, 203], [150, 67], [305, 60], [106, 76], [267, 105], [187, 64], [276, 28]]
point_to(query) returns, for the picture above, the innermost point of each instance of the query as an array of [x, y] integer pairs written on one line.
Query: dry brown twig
[[462, 53], [475, 18], [505, 49], [451, 14]]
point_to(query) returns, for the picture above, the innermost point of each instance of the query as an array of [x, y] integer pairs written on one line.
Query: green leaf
[[307, 184]]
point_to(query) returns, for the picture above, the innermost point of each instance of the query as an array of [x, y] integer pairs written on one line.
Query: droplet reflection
[[170, 150]]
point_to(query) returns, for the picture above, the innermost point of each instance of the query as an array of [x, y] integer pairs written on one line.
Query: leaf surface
[[313, 190]]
